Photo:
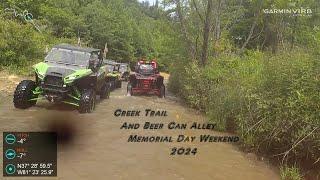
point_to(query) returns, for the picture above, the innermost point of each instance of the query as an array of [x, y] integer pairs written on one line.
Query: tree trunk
[[249, 36], [253, 26], [206, 33], [192, 49], [293, 32], [217, 29]]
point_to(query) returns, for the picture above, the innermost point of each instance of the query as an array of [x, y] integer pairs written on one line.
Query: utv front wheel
[[129, 90], [162, 91], [23, 94], [87, 101], [105, 91], [119, 84]]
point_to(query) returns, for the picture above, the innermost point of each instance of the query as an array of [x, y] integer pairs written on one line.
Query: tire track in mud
[[100, 149]]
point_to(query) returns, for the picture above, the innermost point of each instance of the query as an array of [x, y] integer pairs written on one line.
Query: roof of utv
[[110, 62], [76, 48]]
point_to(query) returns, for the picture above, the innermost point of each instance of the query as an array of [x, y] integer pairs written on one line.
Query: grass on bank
[[290, 173], [271, 101]]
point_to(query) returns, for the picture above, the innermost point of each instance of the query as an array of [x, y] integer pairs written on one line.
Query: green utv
[[69, 74], [125, 71], [114, 75]]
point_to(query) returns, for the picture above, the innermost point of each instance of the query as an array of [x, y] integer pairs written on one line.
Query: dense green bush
[[131, 29], [271, 101], [21, 45]]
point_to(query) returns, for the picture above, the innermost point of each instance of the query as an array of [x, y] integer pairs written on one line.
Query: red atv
[[146, 79]]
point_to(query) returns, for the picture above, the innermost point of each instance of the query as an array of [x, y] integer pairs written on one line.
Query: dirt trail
[[8, 82], [101, 151]]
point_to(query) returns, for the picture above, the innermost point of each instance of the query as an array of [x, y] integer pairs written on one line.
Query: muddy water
[[100, 149]]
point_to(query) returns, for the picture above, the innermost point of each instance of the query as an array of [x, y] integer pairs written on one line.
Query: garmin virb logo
[[289, 11]]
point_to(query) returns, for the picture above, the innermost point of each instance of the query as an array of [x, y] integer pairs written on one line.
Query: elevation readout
[[29, 154]]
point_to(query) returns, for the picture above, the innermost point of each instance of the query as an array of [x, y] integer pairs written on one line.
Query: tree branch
[[197, 10], [184, 29]]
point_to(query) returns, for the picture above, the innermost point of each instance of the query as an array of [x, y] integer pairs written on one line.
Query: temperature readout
[[29, 154]]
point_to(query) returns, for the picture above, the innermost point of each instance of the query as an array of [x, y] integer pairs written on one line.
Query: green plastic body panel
[[41, 69], [76, 75]]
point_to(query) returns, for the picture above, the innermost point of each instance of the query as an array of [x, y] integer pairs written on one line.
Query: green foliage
[[271, 101], [290, 173], [19, 44], [132, 30], [262, 79]]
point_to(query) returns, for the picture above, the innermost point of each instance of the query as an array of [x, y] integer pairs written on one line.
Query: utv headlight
[[40, 76], [69, 79]]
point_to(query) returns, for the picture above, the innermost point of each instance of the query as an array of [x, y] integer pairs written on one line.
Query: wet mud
[[96, 147]]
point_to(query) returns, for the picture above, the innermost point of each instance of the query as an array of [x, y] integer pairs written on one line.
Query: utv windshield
[[68, 57], [146, 69], [123, 68], [110, 68]]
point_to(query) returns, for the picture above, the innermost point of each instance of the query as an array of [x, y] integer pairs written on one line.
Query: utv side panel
[[88, 82]]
